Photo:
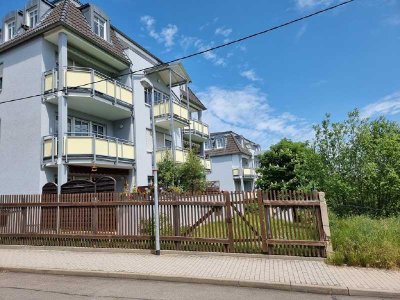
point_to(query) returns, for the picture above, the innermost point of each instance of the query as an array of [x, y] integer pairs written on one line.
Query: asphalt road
[[35, 287]]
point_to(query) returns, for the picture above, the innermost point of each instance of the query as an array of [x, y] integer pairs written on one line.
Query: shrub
[[366, 242]]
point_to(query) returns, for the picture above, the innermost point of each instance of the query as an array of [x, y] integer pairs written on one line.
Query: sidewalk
[[251, 271]]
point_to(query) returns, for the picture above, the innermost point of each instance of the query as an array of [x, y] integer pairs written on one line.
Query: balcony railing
[[163, 110], [82, 145], [180, 154], [207, 163], [245, 172], [197, 127], [86, 79]]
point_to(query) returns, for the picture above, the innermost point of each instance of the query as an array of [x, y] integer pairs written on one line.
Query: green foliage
[[356, 162], [358, 165], [192, 174], [189, 176], [278, 166], [168, 172], [147, 227], [367, 242]]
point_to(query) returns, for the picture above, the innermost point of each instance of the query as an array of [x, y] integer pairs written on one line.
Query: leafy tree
[[168, 172], [192, 174], [278, 166], [359, 165]]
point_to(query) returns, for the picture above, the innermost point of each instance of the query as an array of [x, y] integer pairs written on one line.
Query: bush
[[366, 242]]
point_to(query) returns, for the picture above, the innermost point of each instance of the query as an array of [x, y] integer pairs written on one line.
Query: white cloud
[[225, 32], [301, 32], [250, 75], [389, 105], [246, 111], [306, 4], [197, 44], [166, 35]]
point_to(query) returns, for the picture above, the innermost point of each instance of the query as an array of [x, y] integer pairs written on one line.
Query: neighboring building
[[233, 160], [95, 125]]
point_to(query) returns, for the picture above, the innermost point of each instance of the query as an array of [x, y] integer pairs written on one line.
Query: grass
[[366, 242]]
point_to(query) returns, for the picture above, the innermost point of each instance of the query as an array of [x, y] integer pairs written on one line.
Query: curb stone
[[315, 289]]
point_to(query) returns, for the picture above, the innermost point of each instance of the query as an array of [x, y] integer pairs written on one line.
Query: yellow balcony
[[245, 172], [198, 130], [163, 115], [180, 155], [101, 150], [206, 163], [83, 84]]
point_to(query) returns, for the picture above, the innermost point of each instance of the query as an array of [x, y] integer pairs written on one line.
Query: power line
[[206, 50]]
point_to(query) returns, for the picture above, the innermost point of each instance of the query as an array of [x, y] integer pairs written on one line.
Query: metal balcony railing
[[91, 81], [83, 145], [245, 172], [197, 127]]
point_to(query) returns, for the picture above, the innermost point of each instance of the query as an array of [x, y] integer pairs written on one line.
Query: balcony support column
[[189, 116], [171, 111], [62, 173]]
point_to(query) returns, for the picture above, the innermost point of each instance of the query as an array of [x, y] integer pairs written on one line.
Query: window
[[100, 27], [10, 30], [81, 127], [69, 125], [98, 130], [157, 97], [168, 144], [33, 18], [147, 96], [208, 145], [219, 143]]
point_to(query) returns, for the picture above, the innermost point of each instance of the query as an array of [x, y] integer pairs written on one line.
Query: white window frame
[[10, 35], [99, 22], [32, 17], [98, 125], [219, 143]]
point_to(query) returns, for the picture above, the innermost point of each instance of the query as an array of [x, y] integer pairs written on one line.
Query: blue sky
[[279, 84]]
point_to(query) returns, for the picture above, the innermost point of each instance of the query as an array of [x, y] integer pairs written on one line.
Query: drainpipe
[[171, 111]]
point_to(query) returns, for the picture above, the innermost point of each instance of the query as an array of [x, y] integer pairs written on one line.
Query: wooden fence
[[287, 223]]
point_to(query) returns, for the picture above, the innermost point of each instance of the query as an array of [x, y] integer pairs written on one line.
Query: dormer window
[[219, 143], [33, 18], [100, 27], [10, 30]]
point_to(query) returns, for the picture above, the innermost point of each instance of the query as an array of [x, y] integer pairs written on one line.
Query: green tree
[[359, 165], [192, 174], [168, 172], [279, 165]]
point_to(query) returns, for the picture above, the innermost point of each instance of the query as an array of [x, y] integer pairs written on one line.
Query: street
[[34, 286]]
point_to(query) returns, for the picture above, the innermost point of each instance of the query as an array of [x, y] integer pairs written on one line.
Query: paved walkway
[[257, 271]]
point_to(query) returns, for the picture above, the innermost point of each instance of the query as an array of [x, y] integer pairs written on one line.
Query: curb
[[315, 289], [163, 252]]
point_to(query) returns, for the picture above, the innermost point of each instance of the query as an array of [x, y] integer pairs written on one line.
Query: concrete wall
[[222, 172], [21, 130]]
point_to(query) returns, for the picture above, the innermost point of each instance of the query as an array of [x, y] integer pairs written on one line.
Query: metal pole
[[155, 178], [189, 117], [171, 111]]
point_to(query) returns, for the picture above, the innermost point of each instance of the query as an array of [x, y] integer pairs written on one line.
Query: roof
[[193, 99], [68, 15], [232, 146]]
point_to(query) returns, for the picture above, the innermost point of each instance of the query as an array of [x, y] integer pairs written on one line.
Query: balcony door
[[81, 127]]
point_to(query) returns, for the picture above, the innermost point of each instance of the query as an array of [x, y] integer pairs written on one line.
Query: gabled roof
[[232, 146], [68, 15], [192, 98]]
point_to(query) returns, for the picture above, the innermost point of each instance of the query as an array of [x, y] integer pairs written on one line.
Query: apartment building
[[90, 110], [234, 161]]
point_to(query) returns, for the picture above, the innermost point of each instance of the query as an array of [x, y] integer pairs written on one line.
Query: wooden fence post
[[228, 219], [95, 216], [325, 222], [24, 213], [176, 221], [262, 222]]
